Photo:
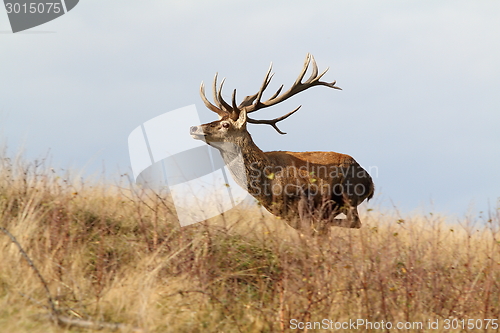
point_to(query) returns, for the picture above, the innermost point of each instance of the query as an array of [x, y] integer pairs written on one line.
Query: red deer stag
[[304, 188]]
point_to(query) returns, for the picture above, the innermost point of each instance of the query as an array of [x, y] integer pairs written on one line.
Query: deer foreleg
[[352, 220]]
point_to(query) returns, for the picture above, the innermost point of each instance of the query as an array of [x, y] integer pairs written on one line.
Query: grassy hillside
[[117, 255]]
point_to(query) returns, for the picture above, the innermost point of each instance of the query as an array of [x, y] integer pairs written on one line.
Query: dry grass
[[119, 256]]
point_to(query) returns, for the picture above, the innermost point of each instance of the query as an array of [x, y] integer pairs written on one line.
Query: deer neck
[[246, 163]]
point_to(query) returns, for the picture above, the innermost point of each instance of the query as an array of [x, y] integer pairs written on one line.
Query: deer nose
[[193, 129]]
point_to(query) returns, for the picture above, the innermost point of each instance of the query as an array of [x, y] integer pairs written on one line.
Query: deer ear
[[242, 119]]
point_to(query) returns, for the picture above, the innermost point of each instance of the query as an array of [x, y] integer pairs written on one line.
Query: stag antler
[[219, 108], [253, 103]]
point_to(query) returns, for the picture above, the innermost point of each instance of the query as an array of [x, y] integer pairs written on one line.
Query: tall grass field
[[79, 256]]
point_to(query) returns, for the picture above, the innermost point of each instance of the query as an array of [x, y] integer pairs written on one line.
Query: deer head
[[231, 126]]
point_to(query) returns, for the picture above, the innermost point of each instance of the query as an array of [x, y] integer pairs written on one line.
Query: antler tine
[[316, 81], [314, 70], [277, 92], [233, 101], [267, 80], [304, 70], [321, 75], [209, 105], [214, 91], [273, 122], [247, 101], [328, 84], [221, 100]]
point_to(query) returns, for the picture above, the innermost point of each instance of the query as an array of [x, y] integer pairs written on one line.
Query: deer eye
[[225, 125]]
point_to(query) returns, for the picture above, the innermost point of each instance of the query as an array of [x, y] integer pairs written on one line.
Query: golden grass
[[118, 255]]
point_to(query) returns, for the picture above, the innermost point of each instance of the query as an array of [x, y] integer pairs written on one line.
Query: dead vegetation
[[115, 258]]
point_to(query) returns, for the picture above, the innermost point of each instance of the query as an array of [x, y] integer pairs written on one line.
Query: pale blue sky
[[420, 99]]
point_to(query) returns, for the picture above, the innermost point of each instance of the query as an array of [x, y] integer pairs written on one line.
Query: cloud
[[420, 83]]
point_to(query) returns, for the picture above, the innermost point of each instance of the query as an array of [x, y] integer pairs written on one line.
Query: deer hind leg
[[352, 220], [350, 209], [323, 219]]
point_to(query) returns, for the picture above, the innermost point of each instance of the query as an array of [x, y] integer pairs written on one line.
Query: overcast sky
[[420, 103]]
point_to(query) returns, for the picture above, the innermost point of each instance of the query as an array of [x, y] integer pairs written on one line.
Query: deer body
[[303, 188]]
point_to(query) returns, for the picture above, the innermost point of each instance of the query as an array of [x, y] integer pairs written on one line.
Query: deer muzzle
[[197, 132]]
